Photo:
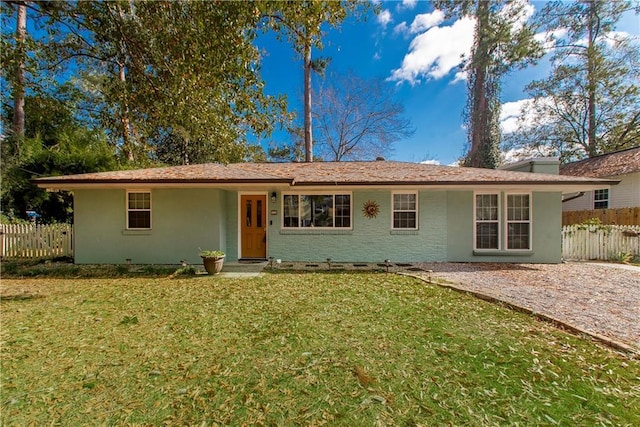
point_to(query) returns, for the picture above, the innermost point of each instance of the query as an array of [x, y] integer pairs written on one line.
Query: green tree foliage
[[293, 150], [282, 153], [54, 144], [503, 41], [180, 73], [590, 102], [192, 76]]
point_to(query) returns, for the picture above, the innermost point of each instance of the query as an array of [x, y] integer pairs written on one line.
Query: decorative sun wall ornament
[[370, 209]]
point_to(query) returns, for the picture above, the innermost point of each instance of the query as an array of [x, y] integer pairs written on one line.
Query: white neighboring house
[[621, 165]]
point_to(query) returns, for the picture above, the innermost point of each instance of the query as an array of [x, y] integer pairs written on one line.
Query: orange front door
[[253, 218]]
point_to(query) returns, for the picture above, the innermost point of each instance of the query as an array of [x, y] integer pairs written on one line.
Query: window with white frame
[[405, 211], [487, 221], [138, 210], [601, 199], [518, 221], [316, 210]]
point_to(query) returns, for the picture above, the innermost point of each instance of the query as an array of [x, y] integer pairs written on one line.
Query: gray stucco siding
[[183, 220]]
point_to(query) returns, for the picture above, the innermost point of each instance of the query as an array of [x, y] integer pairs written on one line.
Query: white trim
[[417, 210], [126, 211], [475, 221], [331, 192], [506, 221], [266, 218]]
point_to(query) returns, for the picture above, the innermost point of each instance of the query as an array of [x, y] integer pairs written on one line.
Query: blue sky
[[411, 45]]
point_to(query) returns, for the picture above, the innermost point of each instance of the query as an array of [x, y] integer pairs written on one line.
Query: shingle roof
[[317, 173], [607, 165]]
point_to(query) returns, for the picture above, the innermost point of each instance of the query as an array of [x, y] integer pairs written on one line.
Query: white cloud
[[549, 39], [401, 28], [430, 162], [384, 18], [517, 12], [512, 118], [425, 21], [421, 23], [510, 112], [434, 53], [407, 4], [612, 38], [460, 76], [516, 154]]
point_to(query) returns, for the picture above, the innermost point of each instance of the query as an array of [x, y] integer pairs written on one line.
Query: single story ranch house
[[346, 211]]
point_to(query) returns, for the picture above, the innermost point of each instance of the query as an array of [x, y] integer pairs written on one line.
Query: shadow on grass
[[65, 269]]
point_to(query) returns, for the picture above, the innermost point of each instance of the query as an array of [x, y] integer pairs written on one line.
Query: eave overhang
[[565, 186]]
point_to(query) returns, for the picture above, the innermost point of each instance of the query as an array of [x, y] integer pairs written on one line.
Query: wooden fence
[[36, 241], [621, 216], [597, 242]]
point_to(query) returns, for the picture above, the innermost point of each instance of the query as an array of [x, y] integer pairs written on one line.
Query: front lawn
[[290, 349]]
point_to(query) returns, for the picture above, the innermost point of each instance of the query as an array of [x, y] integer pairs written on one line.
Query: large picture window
[[487, 221], [518, 221], [316, 210], [405, 211], [138, 210]]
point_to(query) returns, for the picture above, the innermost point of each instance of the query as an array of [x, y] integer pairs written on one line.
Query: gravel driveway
[[600, 299]]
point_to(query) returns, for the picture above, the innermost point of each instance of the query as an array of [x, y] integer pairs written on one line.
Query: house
[[346, 211], [623, 166]]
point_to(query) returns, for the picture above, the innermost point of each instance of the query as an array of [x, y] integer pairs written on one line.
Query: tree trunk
[[127, 143], [127, 140], [308, 136], [593, 30], [481, 136], [20, 80], [478, 120]]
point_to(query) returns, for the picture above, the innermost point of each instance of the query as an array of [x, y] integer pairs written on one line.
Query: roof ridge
[[599, 156]]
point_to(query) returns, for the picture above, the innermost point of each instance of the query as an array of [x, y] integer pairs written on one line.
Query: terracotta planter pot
[[213, 265]]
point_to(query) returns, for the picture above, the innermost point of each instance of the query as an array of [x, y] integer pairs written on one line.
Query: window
[[316, 210], [138, 210], [518, 221], [405, 211], [601, 199], [487, 221], [516, 227]]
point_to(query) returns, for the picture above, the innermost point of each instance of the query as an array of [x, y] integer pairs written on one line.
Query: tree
[[294, 151], [503, 41], [590, 102], [211, 96], [300, 22], [358, 119], [179, 71], [18, 97], [54, 143]]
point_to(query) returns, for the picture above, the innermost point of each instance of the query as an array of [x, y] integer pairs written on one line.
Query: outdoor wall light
[[274, 197]]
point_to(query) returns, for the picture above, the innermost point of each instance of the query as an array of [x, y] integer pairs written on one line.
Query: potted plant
[[213, 261]]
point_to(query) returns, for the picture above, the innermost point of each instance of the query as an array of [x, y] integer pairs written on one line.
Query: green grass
[[283, 349]]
